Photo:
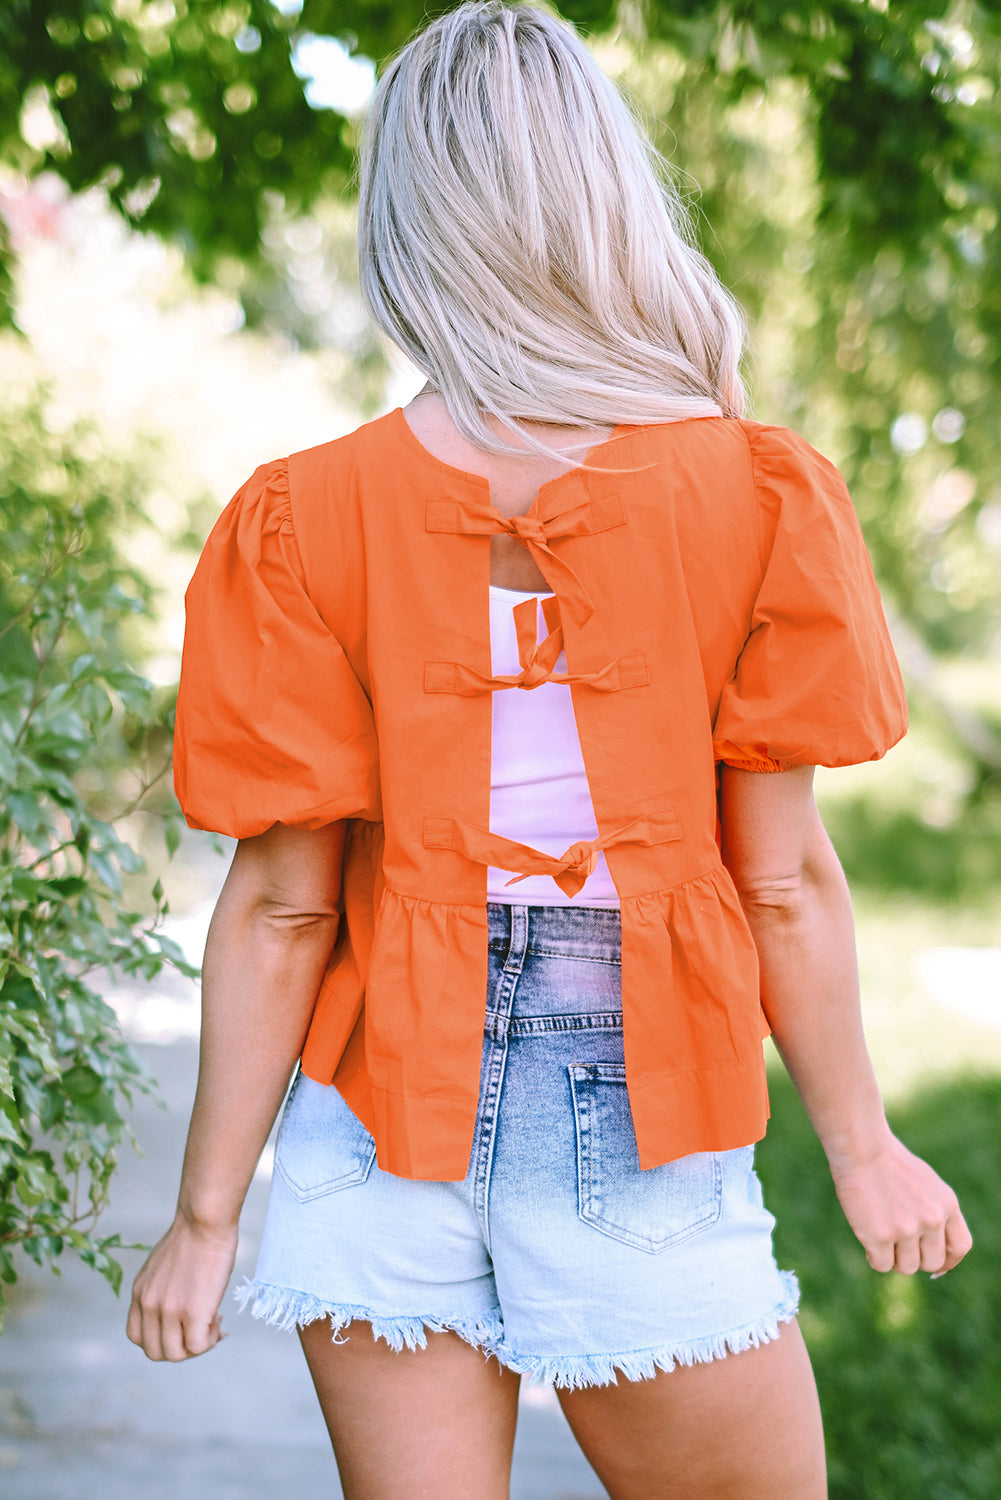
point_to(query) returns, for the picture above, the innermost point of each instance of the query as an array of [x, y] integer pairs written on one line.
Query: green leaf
[[170, 949], [8, 764], [171, 836], [37, 1180], [21, 989], [80, 1082], [53, 1108], [97, 1109], [106, 871], [136, 694], [83, 666], [129, 859], [67, 885], [111, 1270], [25, 884], [29, 814]]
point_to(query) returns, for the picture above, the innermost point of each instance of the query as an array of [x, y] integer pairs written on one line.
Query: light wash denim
[[556, 1254]]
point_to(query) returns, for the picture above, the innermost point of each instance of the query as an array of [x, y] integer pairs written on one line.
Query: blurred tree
[[188, 112], [84, 740]]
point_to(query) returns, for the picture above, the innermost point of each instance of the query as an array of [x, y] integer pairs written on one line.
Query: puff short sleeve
[[817, 681], [272, 723]]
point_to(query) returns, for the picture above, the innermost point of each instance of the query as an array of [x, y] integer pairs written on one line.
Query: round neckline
[[480, 481]]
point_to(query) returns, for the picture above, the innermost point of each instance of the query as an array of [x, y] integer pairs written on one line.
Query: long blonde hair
[[520, 240]]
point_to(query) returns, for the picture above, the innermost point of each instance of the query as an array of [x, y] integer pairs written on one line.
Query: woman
[[521, 963]]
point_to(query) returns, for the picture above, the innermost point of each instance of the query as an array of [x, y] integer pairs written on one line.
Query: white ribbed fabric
[[538, 786]]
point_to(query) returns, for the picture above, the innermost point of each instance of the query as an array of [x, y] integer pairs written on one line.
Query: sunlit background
[[843, 169]]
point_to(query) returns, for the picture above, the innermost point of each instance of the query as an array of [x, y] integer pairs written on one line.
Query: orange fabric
[[714, 604], [272, 724]]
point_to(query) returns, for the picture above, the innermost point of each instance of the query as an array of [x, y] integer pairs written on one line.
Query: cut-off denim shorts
[[557, 1255]]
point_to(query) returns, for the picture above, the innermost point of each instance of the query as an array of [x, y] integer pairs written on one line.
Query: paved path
[[85, 1416]]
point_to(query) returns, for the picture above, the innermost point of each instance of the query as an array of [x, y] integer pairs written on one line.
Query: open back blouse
[[713, 601]]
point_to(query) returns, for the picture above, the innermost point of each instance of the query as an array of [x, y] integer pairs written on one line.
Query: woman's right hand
[[176, 1295]]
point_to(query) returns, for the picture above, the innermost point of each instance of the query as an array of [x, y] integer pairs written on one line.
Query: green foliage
[[192, 113], [75, 718], [895, 848], [189, 113], [202, 99], [908, 1369]]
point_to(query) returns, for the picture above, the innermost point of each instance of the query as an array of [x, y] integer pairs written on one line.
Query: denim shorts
[[557, 1255]]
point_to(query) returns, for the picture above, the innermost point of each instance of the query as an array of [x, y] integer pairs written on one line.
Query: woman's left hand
[[905, 1217]]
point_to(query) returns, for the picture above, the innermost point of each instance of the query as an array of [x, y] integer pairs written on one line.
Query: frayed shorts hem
[[285, 1308], [574, 1372]]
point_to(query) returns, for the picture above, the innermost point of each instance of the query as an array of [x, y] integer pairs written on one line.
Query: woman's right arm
[[796, 901], [269, 941]]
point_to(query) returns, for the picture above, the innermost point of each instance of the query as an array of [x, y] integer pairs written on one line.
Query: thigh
[[745, 1427], [418, 1424]]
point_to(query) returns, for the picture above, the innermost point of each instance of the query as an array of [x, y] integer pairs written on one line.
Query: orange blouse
[[714, 600]]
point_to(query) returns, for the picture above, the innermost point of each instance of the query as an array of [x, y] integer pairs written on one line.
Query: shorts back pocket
[[322, 1146], [651, 1209]]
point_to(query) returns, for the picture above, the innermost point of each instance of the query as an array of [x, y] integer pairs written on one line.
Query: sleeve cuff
[[743, 758]]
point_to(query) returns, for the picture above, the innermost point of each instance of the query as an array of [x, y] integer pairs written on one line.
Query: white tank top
[[538, 786]]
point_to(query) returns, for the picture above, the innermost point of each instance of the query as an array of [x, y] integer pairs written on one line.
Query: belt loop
[[517, 948]]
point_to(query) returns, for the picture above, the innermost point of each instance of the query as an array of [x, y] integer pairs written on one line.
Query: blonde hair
[[520, 240]]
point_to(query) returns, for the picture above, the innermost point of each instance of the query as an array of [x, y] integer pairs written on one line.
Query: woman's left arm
[[796, 901]]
